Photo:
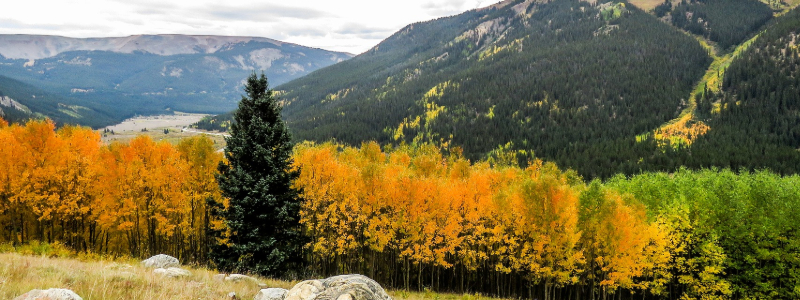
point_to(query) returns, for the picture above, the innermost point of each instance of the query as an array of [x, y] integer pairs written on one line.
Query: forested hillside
[[547, 78], [602, 101], [726, 22], [20, 102], [755, 118]]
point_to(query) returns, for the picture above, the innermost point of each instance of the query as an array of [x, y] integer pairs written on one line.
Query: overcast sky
[[346, 25]]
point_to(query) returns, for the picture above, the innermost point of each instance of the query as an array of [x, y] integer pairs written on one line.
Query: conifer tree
[[262, 233]]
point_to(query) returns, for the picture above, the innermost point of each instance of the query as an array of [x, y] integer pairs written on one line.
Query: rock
[[161, 261], [172, 272], [51, 294], [232, 296], [239, 278], [343, 287], [271, 294], [218, 277], [262, 285], [305, 290]]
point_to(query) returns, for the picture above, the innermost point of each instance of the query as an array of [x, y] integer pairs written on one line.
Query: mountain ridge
[[147, 74], [18, 46]]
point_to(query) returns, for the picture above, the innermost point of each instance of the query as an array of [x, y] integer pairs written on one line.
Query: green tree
[[262, 230]]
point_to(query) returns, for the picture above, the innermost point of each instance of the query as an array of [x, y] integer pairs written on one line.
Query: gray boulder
[[342, 287], [172, 272], [271, 294], [50, 294], [218, 277], [239, 278], [161, 261]]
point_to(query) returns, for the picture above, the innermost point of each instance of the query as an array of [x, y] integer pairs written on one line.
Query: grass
[[157, 134], [647, 5], [93, 277], [114, 279]]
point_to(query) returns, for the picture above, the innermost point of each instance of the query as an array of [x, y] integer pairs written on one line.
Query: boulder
[[239, 278], [50, 294], [161, 261], [342, 287], [172, 272], [218, 277], [271, 294]]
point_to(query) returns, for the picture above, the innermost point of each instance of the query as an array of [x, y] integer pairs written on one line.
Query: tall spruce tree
[[263, 231]]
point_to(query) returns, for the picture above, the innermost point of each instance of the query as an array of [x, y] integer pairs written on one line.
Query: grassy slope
[[95, 279], [647, 5]]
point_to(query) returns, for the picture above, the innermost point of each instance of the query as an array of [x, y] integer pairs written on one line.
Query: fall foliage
[[422, 217], [138, 199]]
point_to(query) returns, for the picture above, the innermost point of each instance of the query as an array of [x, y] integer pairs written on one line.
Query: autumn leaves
[[137, 198], [441, 214], [412, 217]]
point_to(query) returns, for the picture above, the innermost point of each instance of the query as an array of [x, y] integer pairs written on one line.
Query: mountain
[[556, 79], [754, 112], [20, 101], [712, 18], [600, 87], [147, 74]]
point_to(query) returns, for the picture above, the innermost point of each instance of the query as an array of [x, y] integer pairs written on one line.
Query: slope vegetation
[[755, 117], [548, 78], [20, 101], [712, 18]]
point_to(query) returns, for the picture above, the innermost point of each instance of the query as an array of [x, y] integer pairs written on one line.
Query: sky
[[351, 26]]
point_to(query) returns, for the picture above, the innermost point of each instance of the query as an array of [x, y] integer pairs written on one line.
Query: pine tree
[[262, 233]]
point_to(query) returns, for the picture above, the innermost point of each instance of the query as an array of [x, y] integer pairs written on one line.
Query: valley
[[171, 128], [148, 74], [176, 121]]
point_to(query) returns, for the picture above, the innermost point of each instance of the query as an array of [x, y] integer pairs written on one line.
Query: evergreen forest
[[585, 86]]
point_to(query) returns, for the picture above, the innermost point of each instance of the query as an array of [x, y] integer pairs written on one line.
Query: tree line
[[138, 198], [420, 216], [415, 218]]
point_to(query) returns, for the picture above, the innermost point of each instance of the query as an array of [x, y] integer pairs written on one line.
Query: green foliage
[[221, 122], [741, 227], [262, 214], [40, 104], [727, 22], [38, 248], [555, 78], [754, 118]]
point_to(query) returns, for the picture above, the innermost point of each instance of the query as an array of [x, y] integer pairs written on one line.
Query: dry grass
[[647, 5], [429, 295], [174, 136], [100, 279], [120, 279]]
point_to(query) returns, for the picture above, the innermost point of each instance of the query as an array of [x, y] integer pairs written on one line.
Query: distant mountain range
[[146, 74]]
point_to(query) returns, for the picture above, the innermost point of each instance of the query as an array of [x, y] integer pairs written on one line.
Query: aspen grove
[[422, 217], [138, 198]]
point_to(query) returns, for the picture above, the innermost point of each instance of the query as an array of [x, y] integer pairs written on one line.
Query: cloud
[[263, 12], [445, 7], [363, 31], [349, 25]]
